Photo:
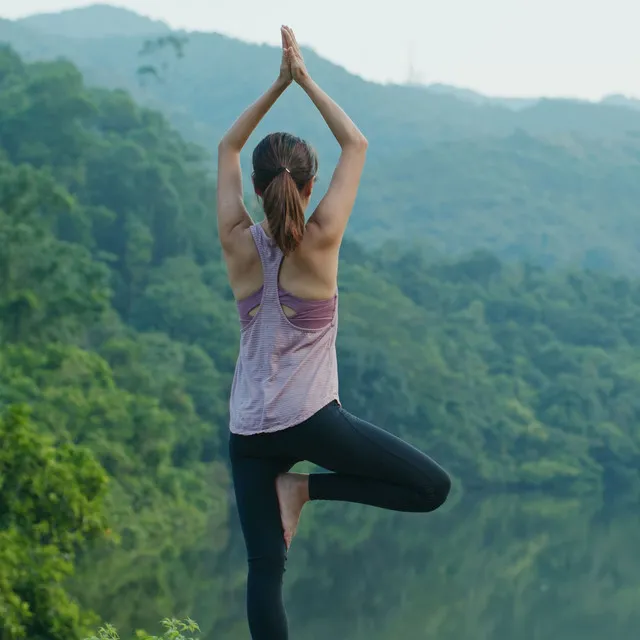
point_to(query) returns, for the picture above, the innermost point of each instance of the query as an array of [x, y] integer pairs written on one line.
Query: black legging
[[370, 466]]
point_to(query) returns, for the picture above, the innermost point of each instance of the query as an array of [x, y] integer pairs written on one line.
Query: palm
[[293, 54], [285, 65]]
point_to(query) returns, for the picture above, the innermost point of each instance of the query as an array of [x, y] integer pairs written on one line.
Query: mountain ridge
[[555, 182], [100, 18], [97, 20], [428, 112]]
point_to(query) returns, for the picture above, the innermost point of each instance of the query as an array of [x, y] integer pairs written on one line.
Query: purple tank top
[[284, 373], [309, 314]]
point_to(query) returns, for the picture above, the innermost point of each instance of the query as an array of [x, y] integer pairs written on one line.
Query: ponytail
[[284, 168], [284, 209]]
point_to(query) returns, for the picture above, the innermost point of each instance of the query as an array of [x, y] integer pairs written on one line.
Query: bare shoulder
[[241, 244], [243, 263], [318, 257], [317, 239]]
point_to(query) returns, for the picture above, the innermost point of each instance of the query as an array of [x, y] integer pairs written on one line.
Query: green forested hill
[[571, 202], [118, 332], [555, 181]]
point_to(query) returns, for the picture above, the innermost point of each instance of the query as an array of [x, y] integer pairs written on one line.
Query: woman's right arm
[[332, 214]]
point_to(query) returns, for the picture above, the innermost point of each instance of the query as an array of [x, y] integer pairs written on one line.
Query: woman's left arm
[[232, 214]]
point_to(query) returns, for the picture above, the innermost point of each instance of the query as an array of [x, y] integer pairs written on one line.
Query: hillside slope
[[555, 181]]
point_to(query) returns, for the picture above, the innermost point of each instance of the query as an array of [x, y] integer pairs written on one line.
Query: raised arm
[[232, 214], [332, 214]]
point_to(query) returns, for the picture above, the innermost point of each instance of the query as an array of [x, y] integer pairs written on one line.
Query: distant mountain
[[218, 76], [554, 181], [517, 104], [480, 99], [622, 101], [96, 21]]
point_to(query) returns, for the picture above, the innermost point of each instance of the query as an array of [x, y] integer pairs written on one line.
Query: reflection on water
[[504, 568], [497, 568]]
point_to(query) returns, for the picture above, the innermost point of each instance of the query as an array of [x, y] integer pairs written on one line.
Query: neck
[[265, 226]]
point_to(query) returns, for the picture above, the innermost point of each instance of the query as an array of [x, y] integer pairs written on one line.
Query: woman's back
[[286, 370], [308, 273]]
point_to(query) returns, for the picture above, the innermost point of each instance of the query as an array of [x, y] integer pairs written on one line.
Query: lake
[[500, 567]]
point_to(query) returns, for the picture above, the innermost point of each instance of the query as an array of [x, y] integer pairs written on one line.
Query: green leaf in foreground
[[174, 630]]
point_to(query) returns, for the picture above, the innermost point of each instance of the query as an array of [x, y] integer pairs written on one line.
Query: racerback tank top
[[284, 374]]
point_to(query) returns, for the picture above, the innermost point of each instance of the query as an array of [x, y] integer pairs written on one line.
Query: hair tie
[[281, 169]]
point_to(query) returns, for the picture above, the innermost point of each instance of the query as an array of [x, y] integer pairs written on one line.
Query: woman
[[284, 405]]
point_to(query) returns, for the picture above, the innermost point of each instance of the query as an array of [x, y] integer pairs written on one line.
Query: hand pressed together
[[292, 66]]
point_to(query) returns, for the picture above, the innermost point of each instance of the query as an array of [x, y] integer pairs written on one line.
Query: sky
[[571, 48]]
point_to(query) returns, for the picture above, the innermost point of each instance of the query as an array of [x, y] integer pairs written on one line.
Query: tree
[[51, 498]]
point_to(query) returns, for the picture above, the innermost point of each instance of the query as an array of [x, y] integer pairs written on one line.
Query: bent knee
[[442, 490], [436, 491]]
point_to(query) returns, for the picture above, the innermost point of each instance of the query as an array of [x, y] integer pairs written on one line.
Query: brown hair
[[283, 165]]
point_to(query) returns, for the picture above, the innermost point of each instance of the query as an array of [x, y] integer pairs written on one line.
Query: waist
[[285, 394], [280, 372]]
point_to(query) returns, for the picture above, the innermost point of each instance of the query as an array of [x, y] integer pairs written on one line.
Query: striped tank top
[[284, 373]]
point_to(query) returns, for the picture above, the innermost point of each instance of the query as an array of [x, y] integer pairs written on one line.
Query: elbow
[[359, 142], [225, 146]]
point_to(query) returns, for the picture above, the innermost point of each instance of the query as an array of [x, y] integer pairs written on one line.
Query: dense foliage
[[50, 503], [119, 333], [555, 182], [79, 260]]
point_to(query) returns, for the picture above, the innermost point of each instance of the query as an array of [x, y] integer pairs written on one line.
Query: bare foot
[[293, 493]]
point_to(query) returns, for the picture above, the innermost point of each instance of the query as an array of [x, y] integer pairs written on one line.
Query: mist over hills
[[96, 21], [553, 181]]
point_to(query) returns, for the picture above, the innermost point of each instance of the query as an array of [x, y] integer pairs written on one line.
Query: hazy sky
[[584, 48]]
